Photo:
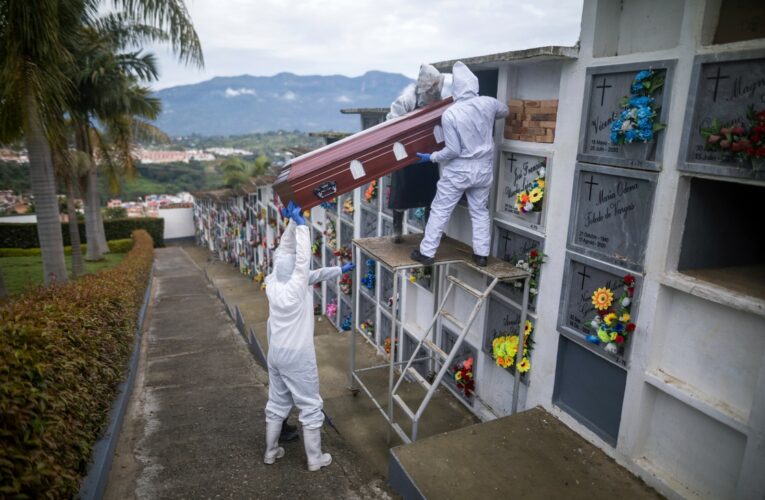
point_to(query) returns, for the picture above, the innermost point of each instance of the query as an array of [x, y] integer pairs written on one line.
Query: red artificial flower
[[725, 144], [602, 312], [534, 253], [756, 138], [713, 139], [738, 130], [631, 327], [630, 291], [619, 339], [760, 152], [629, 280]]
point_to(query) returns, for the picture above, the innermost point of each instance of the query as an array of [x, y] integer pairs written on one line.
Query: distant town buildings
[[13, 204], [171, 156], [229, 152], [10, 155]]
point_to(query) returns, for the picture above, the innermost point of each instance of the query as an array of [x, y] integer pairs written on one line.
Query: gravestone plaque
[[410, 343], [503, 319], [517, 172], [368, 223], [366, 309], [725, 90], [512, 245], [415, 217], [387, 227], [346, 234], [465, 351], [611, 214], [384, 192], [604, 90]]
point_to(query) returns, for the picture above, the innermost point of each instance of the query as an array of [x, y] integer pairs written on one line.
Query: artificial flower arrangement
[[533, 264], [530, 198], [346, 283], [370, 194], [369, 280], [420, 273], [331, 233], [504, 349], [612, 323], [330, 204], [344, 254], [386, 346], [316, 246], [347, 322], [463, 376], [272, 222], [637, 121], [419, 213], [738, 141], [331, 308], [368, 327], [348, 206], [317, 309]]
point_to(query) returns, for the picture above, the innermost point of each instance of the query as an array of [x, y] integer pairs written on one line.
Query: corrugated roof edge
[[548, 52], [358, 111]]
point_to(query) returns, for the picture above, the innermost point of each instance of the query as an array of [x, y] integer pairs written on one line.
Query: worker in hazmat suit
[[292, 371], [414, 186], [467, 165]]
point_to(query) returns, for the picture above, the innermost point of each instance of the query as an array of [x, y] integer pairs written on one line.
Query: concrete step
[[528, 455]]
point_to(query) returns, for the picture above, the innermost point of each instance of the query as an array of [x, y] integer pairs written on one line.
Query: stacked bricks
[[532, 121]]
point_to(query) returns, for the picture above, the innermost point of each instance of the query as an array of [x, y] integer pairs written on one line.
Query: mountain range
[[246, 104]]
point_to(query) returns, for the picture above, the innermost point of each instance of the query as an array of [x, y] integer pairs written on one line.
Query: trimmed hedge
[[116, 246], [25, 235], [63, 352]]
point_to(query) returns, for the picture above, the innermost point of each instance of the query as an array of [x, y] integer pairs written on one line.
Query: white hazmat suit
[[466, 160], [292, 371]]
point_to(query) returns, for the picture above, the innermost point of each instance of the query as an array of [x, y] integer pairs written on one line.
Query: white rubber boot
[[312, 442], [273, 450]]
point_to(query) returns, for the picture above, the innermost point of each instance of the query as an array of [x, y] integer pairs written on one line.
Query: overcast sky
[[350, 37]]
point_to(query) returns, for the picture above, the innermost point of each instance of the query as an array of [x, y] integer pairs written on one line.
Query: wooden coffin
[[354, 161]]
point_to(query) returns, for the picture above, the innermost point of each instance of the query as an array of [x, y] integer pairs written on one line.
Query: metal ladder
[[446, 358]]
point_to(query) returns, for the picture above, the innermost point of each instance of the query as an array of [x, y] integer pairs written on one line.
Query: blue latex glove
[[297, 216], [287, 212], [348, 267], [424, 157]]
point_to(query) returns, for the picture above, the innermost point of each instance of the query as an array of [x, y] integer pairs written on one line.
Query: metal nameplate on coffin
[[325, 190]]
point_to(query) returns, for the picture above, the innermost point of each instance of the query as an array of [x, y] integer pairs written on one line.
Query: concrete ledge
[[103, 451], [400, 481]]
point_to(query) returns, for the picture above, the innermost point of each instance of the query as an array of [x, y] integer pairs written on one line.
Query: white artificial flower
[[541, 172], [517, 284], [626, 125], [626, 301], [519, 263], [528, 206], [533, 291], [611, 347]]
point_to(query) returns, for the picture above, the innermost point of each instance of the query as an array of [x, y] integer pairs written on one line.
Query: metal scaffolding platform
[[396, 258]]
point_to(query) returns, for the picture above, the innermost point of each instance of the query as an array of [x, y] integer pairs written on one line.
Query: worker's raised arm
[[302, 257], [501, 111], [287, 244], [324, 274], [451, 139]]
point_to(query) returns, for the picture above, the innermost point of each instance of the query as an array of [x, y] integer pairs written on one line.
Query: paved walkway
[[194, 427]]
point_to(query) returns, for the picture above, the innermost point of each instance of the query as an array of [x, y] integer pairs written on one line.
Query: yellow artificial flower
[[524, 365], [602, 298], [458, 376], [535, 195], [609, 318], [412, 279], [527, 328], [541, 183], [625, 317]]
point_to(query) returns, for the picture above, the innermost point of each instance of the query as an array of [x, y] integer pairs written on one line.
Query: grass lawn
[[24, 272]]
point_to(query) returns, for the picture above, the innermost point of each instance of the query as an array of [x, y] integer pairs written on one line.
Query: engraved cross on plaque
[[603, 88], [584, 275], [591, 182], [717, 79], [506, 238]]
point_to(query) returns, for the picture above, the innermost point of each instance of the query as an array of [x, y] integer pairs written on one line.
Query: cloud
[[344, 99], [350, 37], [240, 91], [289, 96]]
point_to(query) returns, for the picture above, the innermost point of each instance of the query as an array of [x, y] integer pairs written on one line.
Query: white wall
[[179, 222], [18, 219]]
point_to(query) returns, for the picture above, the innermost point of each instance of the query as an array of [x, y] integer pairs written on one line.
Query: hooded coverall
[[292, 371], [466, 160]]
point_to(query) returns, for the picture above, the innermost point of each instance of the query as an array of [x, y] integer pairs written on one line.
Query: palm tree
[[237, 171], [33, 91], [108, 90]]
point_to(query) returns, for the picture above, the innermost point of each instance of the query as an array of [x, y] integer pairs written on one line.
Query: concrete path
[[194, 427]]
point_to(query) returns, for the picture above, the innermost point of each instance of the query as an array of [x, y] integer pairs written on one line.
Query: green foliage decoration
[[64, 350], [25, 235]]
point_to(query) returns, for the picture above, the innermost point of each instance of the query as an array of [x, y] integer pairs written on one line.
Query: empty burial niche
[[399, 151], [721, 237], [438, 133]]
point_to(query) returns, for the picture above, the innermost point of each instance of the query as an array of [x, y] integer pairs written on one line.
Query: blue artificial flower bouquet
[[636, 123]]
